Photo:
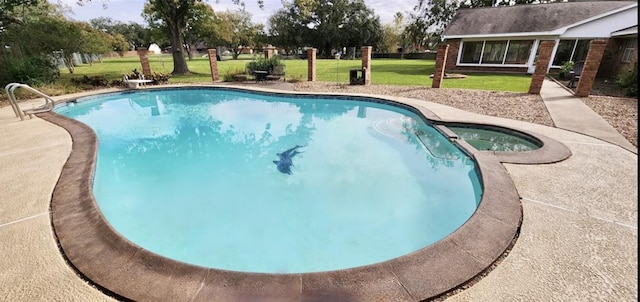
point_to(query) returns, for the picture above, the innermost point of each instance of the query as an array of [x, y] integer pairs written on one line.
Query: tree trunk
[[69, 62], [327, 50], [190, 51], [179, 62]]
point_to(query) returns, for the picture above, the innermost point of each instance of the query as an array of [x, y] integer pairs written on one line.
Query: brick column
[[366, 63], [591, 65], [268, 52], [441, 60], [144, 60], [544, 58], [454, 48], [213, 63], [311, 64]]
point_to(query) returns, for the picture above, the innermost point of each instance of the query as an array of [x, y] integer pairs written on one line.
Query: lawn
[[384, 71]]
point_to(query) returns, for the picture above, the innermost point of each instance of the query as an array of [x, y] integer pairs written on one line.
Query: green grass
[[384, 71]]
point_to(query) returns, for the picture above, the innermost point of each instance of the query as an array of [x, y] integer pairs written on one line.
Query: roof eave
[[626, 32], [503, 35]]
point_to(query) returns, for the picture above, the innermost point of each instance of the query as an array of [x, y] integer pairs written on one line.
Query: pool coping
[[124, 270]]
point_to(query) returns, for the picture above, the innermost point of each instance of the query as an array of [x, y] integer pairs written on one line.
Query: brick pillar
[[454, 48], [441, 60], [591, 65], [366, 63], [144, 61], [213, 63], [544, 58], [311, 69], [268, 52]]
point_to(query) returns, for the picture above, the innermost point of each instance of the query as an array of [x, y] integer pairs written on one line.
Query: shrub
[[230, 75], [159, 78], [33, 70], [117, 83], [567, 67], [629, 82], [295, 78], [263, 63], [95, 81], [134, 75]]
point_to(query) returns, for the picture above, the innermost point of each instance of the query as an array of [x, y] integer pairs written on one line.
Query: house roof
[[527, 18]]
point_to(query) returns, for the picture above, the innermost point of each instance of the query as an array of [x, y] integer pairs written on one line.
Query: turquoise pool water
[[494, 140], [273, 183]]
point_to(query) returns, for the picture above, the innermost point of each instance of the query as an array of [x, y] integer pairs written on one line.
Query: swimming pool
[[108, 261], [270, 183]]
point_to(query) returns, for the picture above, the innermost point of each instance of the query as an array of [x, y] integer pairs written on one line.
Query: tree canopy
[[135, 34], [325, 25]]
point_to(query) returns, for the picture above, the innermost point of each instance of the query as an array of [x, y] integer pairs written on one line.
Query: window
[[629, 48], [580, 53], [493, 52], [571, 50], [518, 52], [563, 53], [496, 52], [471, 52]]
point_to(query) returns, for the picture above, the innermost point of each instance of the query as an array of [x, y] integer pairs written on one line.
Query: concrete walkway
[[578, 238], [570, 113]]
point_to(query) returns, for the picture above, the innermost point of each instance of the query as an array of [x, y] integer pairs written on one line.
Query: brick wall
[[612, 65]]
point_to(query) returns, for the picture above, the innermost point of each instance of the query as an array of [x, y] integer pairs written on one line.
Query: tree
[[200, 25], [242, 32], [119, 44], [94, 42], [9, 11], [175, 15], [429, 19], [46, 35], [135, 34], [361, 27], [392, 37], [330, 25], [285, 31], [18, 62]]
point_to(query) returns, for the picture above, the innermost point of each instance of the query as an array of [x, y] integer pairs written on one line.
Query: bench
[[277, 73], [260, 75], [135, 83]]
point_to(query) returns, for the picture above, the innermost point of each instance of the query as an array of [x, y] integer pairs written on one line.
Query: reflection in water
[[354, 182]]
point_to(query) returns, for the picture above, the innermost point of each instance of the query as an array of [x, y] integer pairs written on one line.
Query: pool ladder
[[10, 89]]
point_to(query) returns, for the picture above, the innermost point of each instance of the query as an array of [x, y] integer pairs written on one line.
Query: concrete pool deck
[[578, 238]]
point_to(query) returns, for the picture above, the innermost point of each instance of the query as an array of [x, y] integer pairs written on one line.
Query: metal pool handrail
[[11, 87]]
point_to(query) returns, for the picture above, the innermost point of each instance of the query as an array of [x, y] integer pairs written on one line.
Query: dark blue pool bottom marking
[[286, 159]]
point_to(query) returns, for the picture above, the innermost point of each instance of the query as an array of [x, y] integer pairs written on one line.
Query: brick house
[[507, 38]]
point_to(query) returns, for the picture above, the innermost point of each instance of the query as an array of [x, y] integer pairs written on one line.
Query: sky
[[130, 10]]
